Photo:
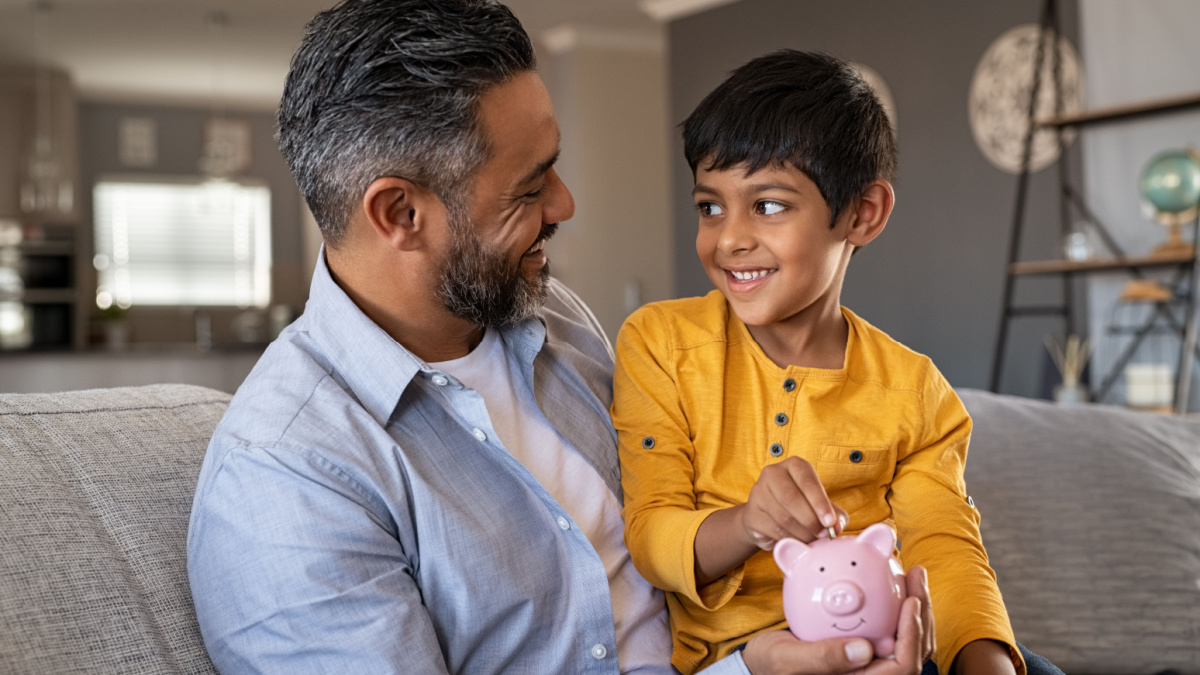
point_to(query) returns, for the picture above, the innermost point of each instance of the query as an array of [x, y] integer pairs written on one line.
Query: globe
[[1171, 182]]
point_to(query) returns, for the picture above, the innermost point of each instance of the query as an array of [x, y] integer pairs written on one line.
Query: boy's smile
[[766, 243], [744, 280]]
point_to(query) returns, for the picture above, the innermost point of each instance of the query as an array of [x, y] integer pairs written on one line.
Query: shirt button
[[563, 523], [479, 435], [789, 384], [440, 380], [776, 449], [781, 419], [648, 442], [599, 652], [970, 502], [856, 456]]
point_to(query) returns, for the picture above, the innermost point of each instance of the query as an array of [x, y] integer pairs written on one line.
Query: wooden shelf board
[[47, 247], [1111, 114], [1098, 265]]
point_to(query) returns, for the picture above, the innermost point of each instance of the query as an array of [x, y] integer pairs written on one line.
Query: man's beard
[[480, 285]]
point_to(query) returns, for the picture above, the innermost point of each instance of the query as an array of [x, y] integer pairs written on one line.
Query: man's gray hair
[[390, 88]]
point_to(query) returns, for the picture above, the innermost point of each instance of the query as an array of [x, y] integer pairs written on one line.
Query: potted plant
[[116, 330]]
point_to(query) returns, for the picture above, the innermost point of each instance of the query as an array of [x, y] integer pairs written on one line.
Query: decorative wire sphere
[[1171, 182]]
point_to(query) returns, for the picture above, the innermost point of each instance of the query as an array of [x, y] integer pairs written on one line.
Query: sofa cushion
[[95, 491], [1091, 518]]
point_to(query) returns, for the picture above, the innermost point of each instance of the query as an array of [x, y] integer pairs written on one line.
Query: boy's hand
[[780, 652], [788, 500]]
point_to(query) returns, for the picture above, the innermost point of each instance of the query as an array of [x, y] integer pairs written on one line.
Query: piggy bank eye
[[853, 564], [822, 569]]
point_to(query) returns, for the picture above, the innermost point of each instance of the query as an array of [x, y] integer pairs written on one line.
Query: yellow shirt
[[698, 406]]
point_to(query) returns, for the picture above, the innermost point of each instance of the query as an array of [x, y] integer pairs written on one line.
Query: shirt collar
[[756, 350], [375, 367]]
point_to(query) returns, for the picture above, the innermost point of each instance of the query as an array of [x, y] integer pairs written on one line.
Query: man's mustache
[[548, 231]]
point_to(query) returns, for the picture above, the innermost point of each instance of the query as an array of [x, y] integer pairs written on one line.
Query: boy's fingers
[[805, 477], [792, 510], [843, 518], [764, 519]]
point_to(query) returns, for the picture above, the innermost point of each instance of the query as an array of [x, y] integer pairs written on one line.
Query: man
[[420, 475]]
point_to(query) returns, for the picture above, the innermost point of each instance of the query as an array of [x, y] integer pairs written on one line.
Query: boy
[[745, 415]]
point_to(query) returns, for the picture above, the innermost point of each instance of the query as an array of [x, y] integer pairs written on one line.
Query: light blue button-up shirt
[[356, 513]]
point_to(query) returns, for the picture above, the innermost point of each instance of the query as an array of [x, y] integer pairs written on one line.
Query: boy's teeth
[[750, 276]]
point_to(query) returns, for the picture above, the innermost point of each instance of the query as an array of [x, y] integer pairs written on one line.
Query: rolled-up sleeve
[[657, 470], [296, 569]]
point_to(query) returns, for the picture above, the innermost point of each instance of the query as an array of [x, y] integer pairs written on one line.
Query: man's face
[[495, 269]]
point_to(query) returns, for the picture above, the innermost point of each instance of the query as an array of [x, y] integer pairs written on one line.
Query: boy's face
[[766, 243]]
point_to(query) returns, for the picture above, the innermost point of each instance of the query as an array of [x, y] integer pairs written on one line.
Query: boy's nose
[[735, 235]]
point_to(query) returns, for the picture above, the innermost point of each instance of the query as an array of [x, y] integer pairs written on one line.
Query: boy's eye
[[769, 208], [709, 209]]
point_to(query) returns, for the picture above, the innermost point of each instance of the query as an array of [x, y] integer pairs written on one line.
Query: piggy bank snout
[[842, 597]]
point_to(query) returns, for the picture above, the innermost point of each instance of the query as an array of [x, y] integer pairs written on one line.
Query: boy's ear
[[871, 212], [400, 212]]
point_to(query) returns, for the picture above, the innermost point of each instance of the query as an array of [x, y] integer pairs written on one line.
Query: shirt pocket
[[855, 466]]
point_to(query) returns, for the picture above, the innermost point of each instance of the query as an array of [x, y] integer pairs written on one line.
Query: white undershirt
[[643, 638]]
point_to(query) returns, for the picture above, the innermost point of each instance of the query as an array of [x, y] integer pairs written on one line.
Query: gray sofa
[[1091, 516]]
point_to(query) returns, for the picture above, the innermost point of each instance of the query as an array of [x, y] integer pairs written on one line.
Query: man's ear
[[401, 212], [871, 212]]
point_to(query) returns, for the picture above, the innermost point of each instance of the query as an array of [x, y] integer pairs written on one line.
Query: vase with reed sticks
[[1070, 356]]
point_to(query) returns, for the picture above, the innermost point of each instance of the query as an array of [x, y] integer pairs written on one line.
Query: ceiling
[[232, 51]]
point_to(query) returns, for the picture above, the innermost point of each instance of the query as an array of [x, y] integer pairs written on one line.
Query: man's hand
[[917, 581], [779, 652], [788, 500]]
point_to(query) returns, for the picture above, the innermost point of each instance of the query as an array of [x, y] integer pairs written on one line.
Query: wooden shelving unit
[[1184, 265]]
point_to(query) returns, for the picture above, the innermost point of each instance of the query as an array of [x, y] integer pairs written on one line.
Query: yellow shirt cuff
[[717, 592]]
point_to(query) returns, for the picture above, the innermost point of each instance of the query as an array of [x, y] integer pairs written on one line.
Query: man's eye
[[709, 209], [770, 208], [536, 193]]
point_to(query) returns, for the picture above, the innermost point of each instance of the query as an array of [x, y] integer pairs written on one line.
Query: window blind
[[197, 244]]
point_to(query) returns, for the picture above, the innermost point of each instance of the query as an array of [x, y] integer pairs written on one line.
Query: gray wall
[[610, 100], [180, 147], [934, 279]]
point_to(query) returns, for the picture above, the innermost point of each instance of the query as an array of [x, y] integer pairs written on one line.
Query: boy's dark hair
[[390, 88], [804, 109]]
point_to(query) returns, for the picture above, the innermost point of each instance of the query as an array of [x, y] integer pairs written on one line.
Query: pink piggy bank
[[849, 586]]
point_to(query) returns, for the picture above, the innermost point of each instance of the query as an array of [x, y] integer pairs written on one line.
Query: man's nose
[[559, 204]]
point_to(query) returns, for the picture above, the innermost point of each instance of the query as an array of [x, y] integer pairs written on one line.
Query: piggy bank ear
[[879, 537], [788, 552]]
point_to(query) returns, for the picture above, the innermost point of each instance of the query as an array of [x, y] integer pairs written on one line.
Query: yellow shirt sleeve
[[657, 470], [938, 528]]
